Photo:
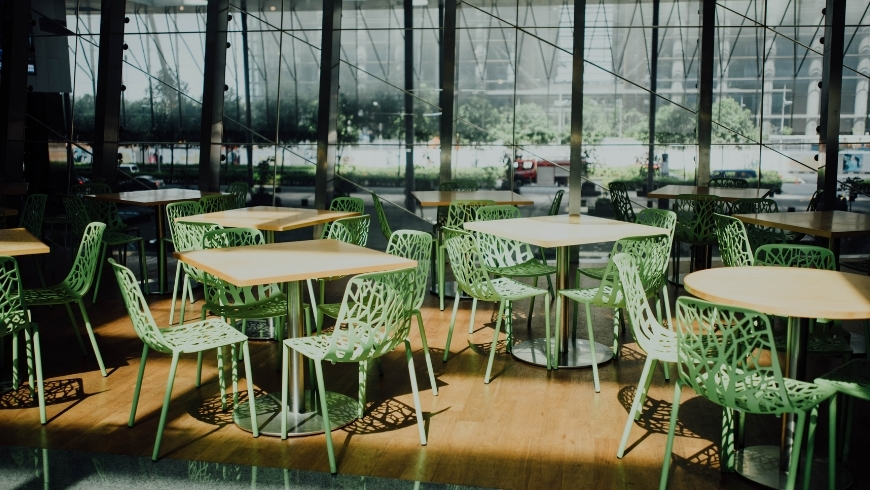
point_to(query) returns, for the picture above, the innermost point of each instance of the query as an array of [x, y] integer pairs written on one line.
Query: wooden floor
[[529, 428]]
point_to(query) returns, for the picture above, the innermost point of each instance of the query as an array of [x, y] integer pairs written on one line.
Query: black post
[[409, 105], [249, 135], [575, 172], [705, 91], [653, 87], [214, 76], [327, 110], [832, 85], [109, 88], [13, 88], [448, 86]]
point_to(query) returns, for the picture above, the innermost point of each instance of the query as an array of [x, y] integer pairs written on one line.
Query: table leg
[[572, 353], [302, 408], [834, 245], [161, 249]]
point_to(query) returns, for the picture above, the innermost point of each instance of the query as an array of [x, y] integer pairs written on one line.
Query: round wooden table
[[801, 295]]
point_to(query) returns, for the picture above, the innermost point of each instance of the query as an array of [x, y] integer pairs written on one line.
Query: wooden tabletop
[[562, 230], [9, 211], [785, 291], [19, 241], [442, 198], [153, 197], [14, 189], [830, 224], [291, 261], [726, 194], [269, 218]]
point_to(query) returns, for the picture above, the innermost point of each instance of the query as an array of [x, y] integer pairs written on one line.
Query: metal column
[[409, 105], [327, 110], [214, 78], [832, 84], [448, 87], [108, 97], [705, 90], [653, 88], [575, 175]]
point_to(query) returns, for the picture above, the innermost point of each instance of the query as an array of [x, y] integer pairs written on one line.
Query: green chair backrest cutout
[[347, 204], [759, 235], [81, 275], [239, 190], [650, 252], [32, 212], [220, 292], [496, 212], [13, 308], [499, 252], [189, 236], [728, 183], [468, 268], [382, 216], [621, 203], [181, 209], [217, 202], [753, 206], [660, 218], [806, 256], [458, 186], [645, 327], [137, 308], [76, 213], [414, 245], [232, 237], [556, 204], [90, 188], [463, 211], [695, 218], [354, 230], [815, 200], [734, 247]]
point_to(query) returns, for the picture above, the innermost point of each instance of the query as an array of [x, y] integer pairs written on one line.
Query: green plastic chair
[[193, 338], [75, 286], [90, 188], [102, 211], [553, 211], [852, 379], [15, 318], [442, 211], [217, 202], [657, 341], [510, 258], [734, 247], [31, 220], [176, 210], [459, 213], [189, 236], [239, 190], [414, 245], [761, 235], [728, 183], [695, 226], [622, 206], [382, 216], [718, 351], [652, 253], [373, 320], [472, 277], [348, 204]]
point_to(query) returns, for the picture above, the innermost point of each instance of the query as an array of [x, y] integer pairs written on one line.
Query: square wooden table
[[724, 193], [269, 218], [832, 225], [158, 198], [9, 211], [561, 232], [444, 198], [293, 263], [19, 241]]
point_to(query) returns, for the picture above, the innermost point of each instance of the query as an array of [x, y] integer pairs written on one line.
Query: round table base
[[578, 355], [761, 465], [342, 411]]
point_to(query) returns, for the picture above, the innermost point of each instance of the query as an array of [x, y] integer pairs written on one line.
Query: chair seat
[[275, 305], [766, 395], [593, 272], [818, 344], [314, 346], [115, 238], [202, 335], [53, 295], [331, 309], [852, 378], [861, 266], [587, 295], [529, 268], [512, 290]]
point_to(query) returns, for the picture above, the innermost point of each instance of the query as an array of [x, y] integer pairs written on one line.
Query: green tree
[[533, 126], [479, 121], [675, 125], [732, 123]]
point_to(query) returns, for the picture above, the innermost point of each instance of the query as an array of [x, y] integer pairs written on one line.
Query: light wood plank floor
[[528, 428]]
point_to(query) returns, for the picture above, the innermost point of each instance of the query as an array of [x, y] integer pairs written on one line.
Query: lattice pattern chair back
[[414, 245], [645, 327], [81, 275], [660, 218], [728, 183], [759, 235], [720, 349], [348, 204], [76, 212], [32, 212], [468, 269], [452, 186], [137, 309], [556, 204], [239, 190], [815, 200], [190, 237], [752, 206], [621, 203], [695, 218], [382, 216], [496, 212], [461, 212], [220, 292], [175, 210], [734, 245], [13, 309], [374, 316], [806, 256], [650, 252], [90, 188], [496, 251], [216, 203], [232, 237], [354, 230]]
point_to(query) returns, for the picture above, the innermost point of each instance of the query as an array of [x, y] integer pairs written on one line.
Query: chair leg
[[285, 356], [811, 446], [28, 355], [450, 331], [473, 313], [850, 415], [416, 392], [363, 369], [796, 449], [184, 289], [175, 290], [532, 305], [198, 381], [143, 264], [636, 405], [138, 385], [441, 273], [234, 369], [727, 453], [93, 339], [325, 414], [314, 303], [14, 361], [832, 443], [645, 390], [669, 446], [40, 387], [173, 367], [100, 264], [249, 380], [595, 381], [547, 331], [558, 332], [426, 352], [867, 339], [75, 326], [492, 347]]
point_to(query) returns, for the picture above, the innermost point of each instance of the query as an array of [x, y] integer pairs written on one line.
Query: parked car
[[129, 168], [735, 174], [140, 183]]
